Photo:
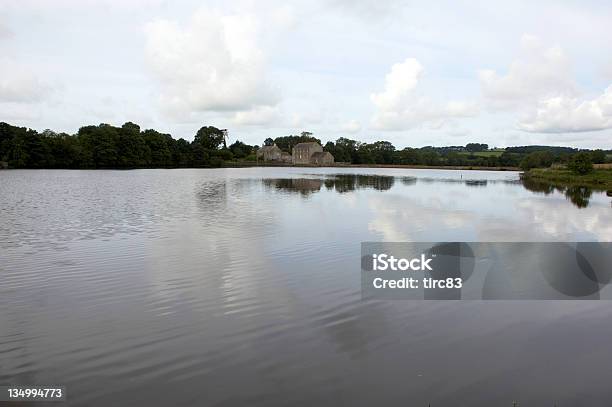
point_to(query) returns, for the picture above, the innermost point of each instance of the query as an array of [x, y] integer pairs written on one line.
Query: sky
[[410, 72]]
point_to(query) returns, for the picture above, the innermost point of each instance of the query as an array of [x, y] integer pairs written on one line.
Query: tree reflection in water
[[340, 183], [577, 195], [343, 183]]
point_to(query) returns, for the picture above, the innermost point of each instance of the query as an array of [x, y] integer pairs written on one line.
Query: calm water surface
[[242, 287]]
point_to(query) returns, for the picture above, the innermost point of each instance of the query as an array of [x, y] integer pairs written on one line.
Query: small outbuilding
[[286, 157], [322, 158], [270, 153]]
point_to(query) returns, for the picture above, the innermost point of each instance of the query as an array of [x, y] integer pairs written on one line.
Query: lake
[[233, 287]]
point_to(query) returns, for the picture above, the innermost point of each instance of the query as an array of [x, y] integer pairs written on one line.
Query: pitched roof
[[306, 144], [267, 148]]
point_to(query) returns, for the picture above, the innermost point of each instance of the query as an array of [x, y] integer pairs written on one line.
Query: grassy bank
[[600, 179]]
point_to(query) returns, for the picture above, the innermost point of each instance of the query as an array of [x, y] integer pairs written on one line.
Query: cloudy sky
[[411, 72]]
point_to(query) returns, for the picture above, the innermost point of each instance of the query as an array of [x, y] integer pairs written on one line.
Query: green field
[[488, 153]]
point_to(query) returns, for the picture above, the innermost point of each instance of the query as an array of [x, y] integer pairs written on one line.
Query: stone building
[[311, 153], [303, 151], [322, 158], [270, 153], [286, 158]]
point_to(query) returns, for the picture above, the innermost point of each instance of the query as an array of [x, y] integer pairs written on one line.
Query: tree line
[[128, 146], [472, 155], [106, 146]]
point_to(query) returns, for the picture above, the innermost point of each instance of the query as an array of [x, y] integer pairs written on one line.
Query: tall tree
[[133, 151], [209, 137]]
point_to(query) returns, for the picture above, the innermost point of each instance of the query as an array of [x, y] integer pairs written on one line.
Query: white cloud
[[19, 111], [404, 219], [258, 116], [402, 79], [565, 114], [400, 107], [306, 118], [5, 32], [540, 85], [371, 10], [606, 70], [18, 84], [553, 218], [221, 66], [352, 126], [539, 72], [211, 64]]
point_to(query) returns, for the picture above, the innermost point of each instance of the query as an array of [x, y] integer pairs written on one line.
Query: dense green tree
[[160, 147], [409, 156], [474, 147], [6, 137], [200, 155], [430, 157], [100, 146], [454, 158], [345, 150], [581, 163], [182, 155], [224, 154], [598, 156], [210, 137], [537, 159], [132, 149], [382, 152], [240, 150], [364, 155], [64, 151], [15, 144], [508, 159], [330, 147], [563, 157], [530, 149]]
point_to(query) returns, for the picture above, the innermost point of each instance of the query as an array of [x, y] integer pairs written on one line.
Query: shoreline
[[398, 166], [281, 165]]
